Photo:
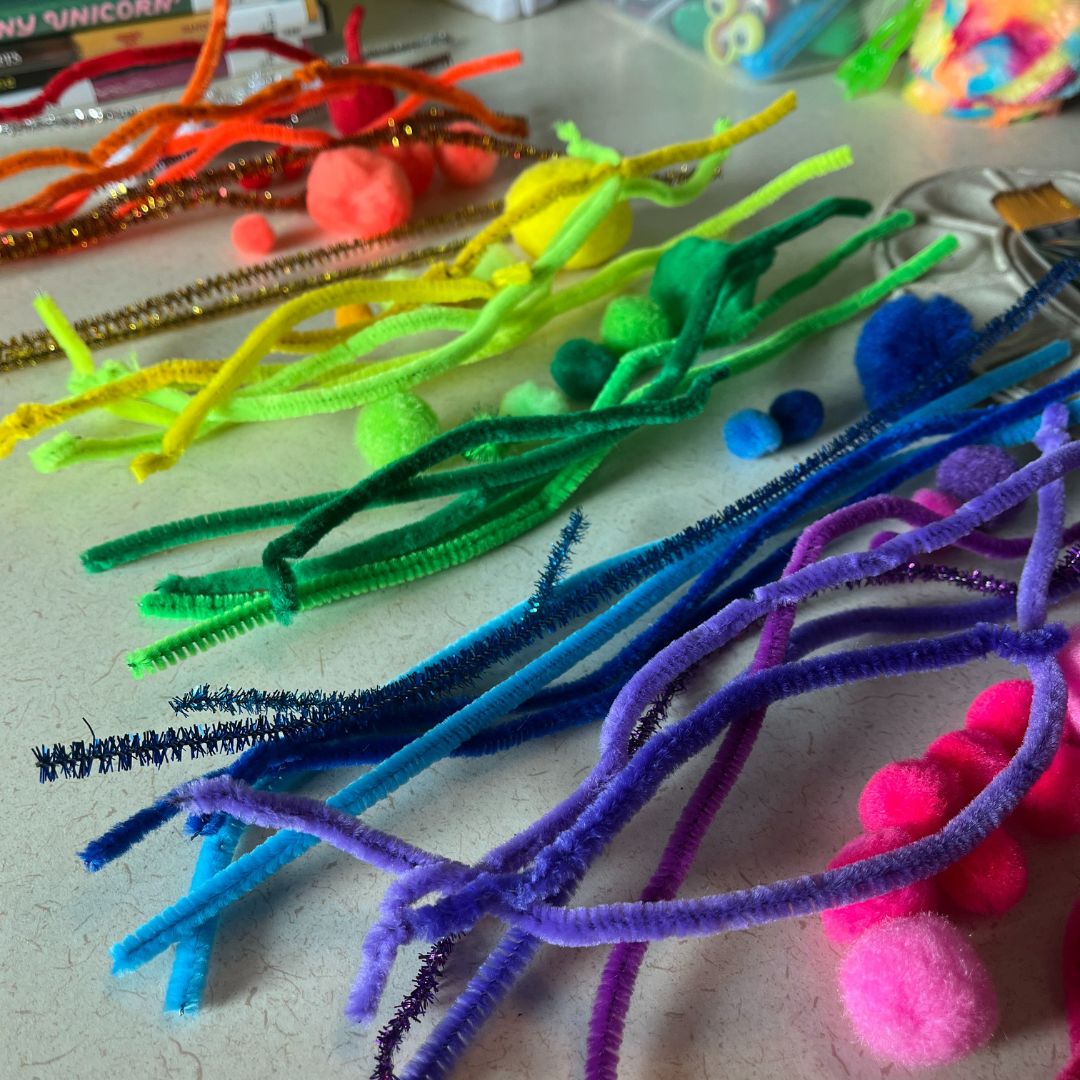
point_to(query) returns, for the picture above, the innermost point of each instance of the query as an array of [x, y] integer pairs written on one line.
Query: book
[[285, 18], [21, 20], [30, 64]]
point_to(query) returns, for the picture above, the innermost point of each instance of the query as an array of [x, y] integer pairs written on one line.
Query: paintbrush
[[1048, 220]]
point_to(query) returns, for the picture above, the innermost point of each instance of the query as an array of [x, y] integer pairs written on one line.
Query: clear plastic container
[[765, 39]]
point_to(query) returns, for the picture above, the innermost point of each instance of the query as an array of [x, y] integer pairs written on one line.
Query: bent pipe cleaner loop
[[78, 760], [243, 874]]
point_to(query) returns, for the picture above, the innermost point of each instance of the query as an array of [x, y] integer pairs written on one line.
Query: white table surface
[[745, 1006]]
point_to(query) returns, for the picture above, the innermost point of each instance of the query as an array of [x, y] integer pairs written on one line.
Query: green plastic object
[[689, 23], [868, 70]]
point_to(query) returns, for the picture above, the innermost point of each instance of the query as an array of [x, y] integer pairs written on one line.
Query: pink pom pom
[[917, 993], [252, 235], [843, 925], [1052, 806], [358, 192], [917, 795], [938, 501], [464, 165], [1002, 710], [974, 756], [990, 880], [1069, 658], [417, 162]]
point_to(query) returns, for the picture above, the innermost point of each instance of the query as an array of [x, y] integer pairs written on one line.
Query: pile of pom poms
[[360, 193], [915, 990], [796, 415]]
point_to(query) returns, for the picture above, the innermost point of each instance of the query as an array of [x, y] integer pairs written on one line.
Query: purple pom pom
[[971, 470]]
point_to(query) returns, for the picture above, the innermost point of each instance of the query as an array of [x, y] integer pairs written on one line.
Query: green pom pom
[[632, 321], [581, 367], [529, 399], [395, 426], [495, 257]]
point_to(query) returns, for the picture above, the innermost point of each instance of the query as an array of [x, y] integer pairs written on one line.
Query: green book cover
[[25, 19]]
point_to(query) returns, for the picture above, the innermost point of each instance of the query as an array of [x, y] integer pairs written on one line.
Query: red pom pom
[[916, 795], [353, 112], [358, 192], [974, 756], [1052, 806], [845, 924], [252, 235], [990, 880], [417, 162], [464, 165], [1002, 710], [292, 168]]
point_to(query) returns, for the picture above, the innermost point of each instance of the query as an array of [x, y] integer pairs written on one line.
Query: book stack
[[39, 38]]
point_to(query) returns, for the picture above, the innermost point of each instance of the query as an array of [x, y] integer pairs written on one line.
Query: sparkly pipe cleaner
[[885, 659], [956, 397]]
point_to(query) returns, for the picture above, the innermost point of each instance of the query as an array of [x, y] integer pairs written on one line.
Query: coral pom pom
[[1002, 711], [917, 795], [938, 501], [394, 426], [974, 756], [465, 166], [750, 434], [252, 235], [990, 880], [416, 160], [358, 192], [845, 924], [1052, 806], [917, 993]]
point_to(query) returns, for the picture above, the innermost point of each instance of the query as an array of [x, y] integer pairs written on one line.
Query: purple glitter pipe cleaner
[[744, 613], [613, 995], [831, 889]]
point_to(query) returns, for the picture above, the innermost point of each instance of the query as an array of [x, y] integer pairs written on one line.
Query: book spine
[[26, 19], [287, 19]]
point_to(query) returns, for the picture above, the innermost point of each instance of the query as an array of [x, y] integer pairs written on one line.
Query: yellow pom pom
[[352, 314], [535, 233]]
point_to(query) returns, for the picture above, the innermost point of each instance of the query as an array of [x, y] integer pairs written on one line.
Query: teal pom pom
[[395, 426], [581, 367], [632, 321], [750, 434], [530, 399], [799, 413]]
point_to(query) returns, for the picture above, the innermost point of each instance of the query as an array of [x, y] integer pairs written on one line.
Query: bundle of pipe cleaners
[[183, 137], [522, 465], [937, 819]]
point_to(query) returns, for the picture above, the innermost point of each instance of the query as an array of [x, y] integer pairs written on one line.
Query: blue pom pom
[[799, 413], [750, 434], [909, 338]]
